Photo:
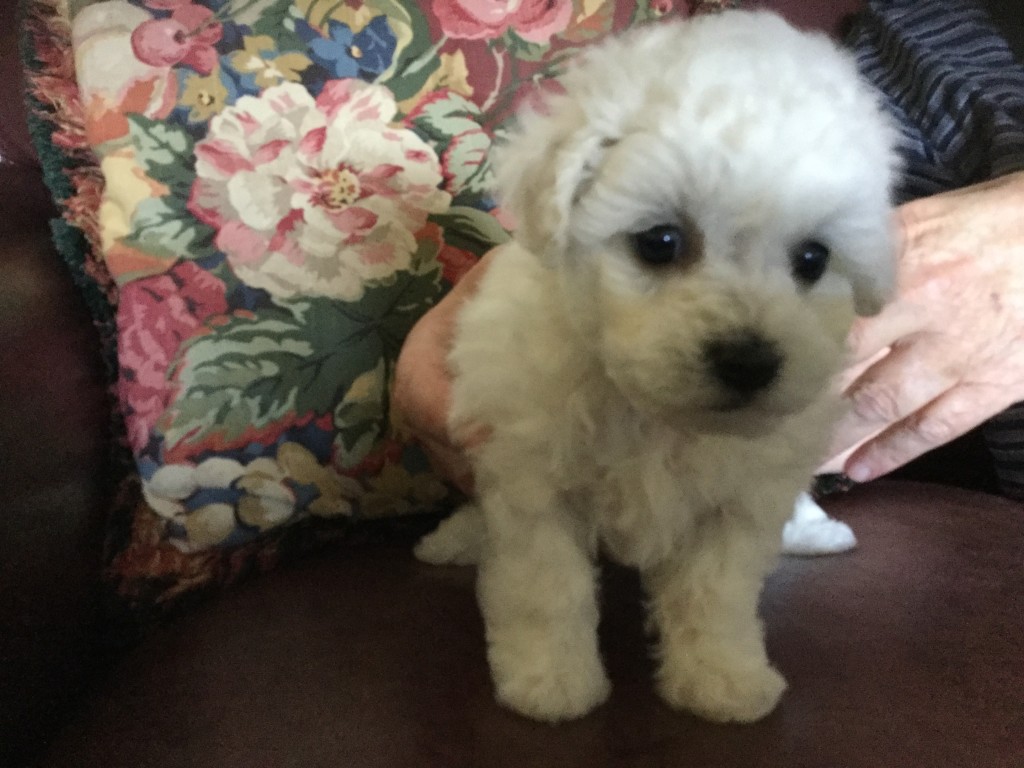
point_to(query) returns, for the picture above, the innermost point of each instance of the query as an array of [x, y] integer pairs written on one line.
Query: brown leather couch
[[907, 652]]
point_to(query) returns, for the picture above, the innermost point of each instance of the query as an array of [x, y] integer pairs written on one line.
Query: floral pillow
[[289, 185]]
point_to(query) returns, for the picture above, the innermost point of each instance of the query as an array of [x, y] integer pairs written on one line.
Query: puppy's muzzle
[[743, 364]]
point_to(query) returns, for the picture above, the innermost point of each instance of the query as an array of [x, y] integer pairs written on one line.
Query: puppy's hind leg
[[458, 540], [537, 591], [704, 605]]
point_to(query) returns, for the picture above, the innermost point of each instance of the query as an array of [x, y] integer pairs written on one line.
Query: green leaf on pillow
[[452, 124], [441, 118], [249, 378], [415, 56], [291, 362], [277, 20], [470, 229], [644, 12], [396, 305], [273, 16], [408, 82], [164, 151], [467, 165], [162, 227], [359, 417], [523, 49]]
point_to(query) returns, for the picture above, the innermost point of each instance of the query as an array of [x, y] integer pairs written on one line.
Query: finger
[[949, 416], [837, 461], [855, 370], [912, 375]]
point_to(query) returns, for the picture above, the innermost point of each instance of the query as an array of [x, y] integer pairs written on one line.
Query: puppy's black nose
[[745, 363]]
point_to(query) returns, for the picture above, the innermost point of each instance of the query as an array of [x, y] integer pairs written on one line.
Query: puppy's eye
[[661, 245], [809, 260]]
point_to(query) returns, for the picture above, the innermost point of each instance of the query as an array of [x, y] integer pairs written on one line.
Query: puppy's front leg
[[537, 590], [704, 604]]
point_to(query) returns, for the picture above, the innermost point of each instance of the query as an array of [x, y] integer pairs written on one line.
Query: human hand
[[421, 392], [947, 353]]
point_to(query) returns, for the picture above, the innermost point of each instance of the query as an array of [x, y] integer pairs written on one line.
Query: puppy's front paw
[[722, 689], [547, 686], [810, 531]]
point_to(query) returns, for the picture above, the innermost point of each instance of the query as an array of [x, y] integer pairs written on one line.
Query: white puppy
[[700, 216]]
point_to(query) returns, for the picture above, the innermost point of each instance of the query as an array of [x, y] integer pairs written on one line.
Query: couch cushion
[[53, 456], [904, 652]]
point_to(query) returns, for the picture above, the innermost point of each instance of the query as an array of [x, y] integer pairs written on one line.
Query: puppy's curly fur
[[702, 213]]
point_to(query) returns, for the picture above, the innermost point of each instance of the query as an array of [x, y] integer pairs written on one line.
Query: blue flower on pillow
[[344, 53]]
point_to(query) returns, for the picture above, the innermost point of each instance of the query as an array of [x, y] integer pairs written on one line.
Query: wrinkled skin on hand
[[948, 352]]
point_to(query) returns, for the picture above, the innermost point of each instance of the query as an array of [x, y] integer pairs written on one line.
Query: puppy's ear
[[542, 170], [869, 296], [873, 272], [874, 269]]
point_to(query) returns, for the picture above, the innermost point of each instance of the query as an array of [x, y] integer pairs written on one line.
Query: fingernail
[[859, 473]]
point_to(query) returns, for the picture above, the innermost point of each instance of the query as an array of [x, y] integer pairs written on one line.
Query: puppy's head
[[713, 196]]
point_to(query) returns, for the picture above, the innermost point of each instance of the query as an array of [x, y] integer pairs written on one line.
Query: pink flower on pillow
[[533, 20], [187, 37], [156, 315], [315, 197]]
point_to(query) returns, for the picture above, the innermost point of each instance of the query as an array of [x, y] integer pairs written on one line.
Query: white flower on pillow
[[315, 196]]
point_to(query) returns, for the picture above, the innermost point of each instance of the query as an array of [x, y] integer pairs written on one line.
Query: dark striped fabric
[[956, 91]]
